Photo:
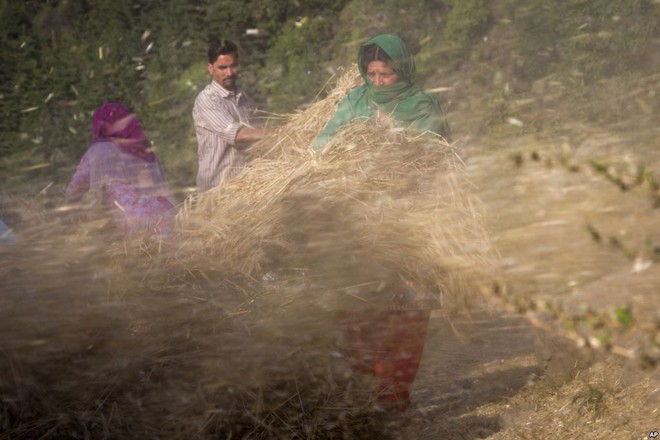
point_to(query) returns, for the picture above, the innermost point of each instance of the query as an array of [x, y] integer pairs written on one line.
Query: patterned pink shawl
[[114, 122]]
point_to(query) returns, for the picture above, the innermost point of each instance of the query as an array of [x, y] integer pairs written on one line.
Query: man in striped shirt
[[224, 117]]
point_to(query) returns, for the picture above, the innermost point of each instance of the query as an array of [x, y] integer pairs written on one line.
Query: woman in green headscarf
[[388, 70], [387, 343]]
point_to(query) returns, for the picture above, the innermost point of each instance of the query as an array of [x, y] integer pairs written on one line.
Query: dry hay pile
[[376, 218]]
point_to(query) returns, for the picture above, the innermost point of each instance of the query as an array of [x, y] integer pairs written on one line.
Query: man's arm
[[249, 134]]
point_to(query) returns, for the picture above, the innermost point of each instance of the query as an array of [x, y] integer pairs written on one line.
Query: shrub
[[467, 22]]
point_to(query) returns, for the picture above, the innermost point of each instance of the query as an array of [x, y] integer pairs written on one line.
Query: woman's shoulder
[[355, 99], [425, 95], [356, 93], [102, 149], [425, 99]]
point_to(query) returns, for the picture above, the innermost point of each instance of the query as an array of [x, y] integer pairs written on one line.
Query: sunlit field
[[532, 235], [228, 328]]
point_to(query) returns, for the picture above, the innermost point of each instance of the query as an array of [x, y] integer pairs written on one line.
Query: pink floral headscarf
[[116, 123]]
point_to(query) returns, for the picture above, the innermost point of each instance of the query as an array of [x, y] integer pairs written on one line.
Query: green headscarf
[[404, 65], [410, 106], [406, 102]]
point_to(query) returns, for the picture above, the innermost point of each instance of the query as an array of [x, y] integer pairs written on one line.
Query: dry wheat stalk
[[376, 207]]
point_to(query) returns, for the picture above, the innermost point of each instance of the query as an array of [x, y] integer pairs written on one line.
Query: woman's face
[[381, 74]]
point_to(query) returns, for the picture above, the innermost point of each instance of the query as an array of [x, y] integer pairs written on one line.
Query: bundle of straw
[[377, 218]]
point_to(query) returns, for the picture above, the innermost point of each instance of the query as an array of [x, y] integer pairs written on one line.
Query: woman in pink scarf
[[122, 170]]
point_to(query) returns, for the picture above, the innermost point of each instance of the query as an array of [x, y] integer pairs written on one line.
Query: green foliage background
[[61, 59]]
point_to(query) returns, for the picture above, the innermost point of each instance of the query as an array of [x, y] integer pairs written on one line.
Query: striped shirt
[[218, 115]]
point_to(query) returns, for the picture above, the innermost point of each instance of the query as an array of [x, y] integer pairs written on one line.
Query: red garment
[[389, 345]]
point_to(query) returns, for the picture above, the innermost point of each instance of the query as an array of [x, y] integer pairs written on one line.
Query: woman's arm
[[344, 114], [79, 183], [434, 119]]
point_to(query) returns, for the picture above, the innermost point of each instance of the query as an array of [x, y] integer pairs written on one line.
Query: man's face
[[224, 71]]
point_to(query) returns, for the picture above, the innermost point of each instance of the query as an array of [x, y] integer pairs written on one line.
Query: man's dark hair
[[373, 52], [220, 46]]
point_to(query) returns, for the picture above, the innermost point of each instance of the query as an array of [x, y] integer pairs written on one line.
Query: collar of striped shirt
[[226, 93]]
